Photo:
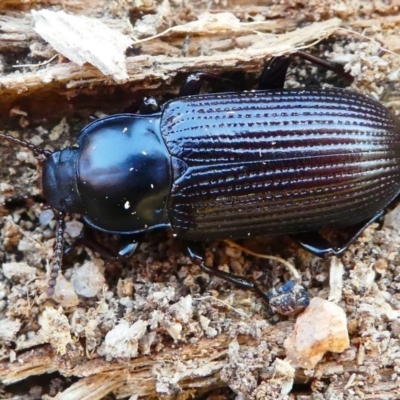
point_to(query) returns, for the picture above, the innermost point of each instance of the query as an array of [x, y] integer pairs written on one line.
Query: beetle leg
[[331, 66], [274, 73], [87, 239], [197, 256], [149, 106], [193, 83], [128, 244], [314, 243]]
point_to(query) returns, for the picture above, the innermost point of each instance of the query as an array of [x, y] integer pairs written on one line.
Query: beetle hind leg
[[314, 243], [328, 65]]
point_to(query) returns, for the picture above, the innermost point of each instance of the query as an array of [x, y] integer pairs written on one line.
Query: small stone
[[88, 280], [19, 271], [46, 217], [233, 252], [64, 293], [321, 328], [183, 309], [381, 266], [9, 328], [37, 140], [362, 278], [146, 342], [125, 288], [60, 129], [336, 272], [204, 322], [392, 219], [73, 228], [175, 331], [123, 340], [284, 374]]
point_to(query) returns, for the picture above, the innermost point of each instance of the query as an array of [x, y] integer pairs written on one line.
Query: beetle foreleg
[[128, 244]]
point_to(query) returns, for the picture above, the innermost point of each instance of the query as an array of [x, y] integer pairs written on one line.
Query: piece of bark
[[84, 40], [67, 81]]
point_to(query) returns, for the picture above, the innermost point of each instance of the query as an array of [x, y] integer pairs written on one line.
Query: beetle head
[[58, 184], [59, 180]]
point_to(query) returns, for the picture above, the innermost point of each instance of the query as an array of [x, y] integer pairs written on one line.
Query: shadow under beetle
[[231, 165]]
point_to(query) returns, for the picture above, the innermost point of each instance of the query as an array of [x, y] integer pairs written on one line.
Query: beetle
[[231, 165]]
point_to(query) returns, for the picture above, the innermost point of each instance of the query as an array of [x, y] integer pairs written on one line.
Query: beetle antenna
[[23, 143], [58, 254]]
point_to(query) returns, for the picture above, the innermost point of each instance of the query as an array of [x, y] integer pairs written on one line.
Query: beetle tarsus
[[314, 243]]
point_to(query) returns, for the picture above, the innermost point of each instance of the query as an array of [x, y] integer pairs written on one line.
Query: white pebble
[[88, 280]]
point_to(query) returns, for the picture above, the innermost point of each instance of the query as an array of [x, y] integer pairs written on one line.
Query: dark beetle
[[231, 165]]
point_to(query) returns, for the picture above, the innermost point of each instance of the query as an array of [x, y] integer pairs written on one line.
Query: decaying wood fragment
[[84, 40]]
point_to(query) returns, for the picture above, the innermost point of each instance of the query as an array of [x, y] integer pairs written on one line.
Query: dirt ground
[[155, 325]]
